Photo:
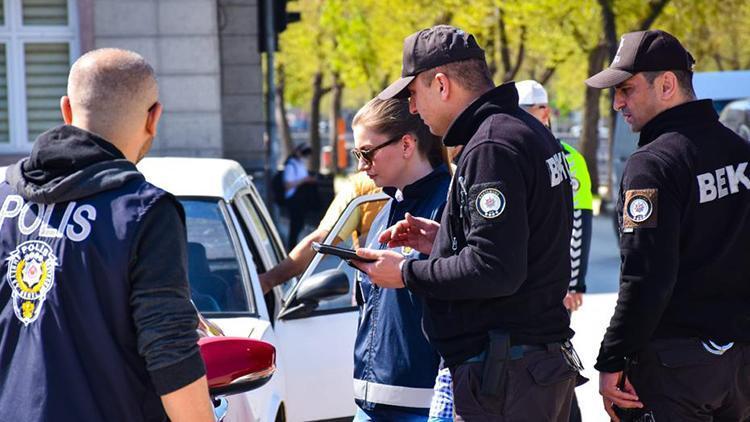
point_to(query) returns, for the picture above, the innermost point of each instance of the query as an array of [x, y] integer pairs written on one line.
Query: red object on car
[[233, 359]]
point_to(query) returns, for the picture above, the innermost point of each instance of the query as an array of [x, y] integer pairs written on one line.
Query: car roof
[[210, 177]]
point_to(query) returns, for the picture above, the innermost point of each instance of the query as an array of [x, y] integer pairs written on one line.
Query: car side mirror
[[323, 285], [235, 364]]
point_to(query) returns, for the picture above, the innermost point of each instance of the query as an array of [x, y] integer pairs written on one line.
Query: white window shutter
[[45, 12], [47, 67]]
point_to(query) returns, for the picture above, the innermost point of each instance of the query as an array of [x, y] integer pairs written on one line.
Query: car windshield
[[216, 282]]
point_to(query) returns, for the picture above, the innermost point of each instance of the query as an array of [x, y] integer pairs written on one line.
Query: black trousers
[[678, 380], [537, 387], [575, 411]]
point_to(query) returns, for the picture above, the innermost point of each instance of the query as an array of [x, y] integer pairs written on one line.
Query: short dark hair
[[473, 74], [684, 80]]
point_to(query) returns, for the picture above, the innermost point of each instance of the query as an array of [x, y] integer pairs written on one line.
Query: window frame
[[245, 203], [240, 250], [290, 297], [15, 36]]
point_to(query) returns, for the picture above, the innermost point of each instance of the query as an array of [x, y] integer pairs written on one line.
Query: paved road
[[591, 320]]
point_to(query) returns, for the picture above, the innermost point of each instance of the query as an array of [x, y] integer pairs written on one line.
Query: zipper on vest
[[462, 197]]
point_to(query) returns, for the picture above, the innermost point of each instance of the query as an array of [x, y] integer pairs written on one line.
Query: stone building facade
[[204, 52]]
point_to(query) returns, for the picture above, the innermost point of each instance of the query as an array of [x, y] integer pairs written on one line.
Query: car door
[[222, 279], [318, 346]]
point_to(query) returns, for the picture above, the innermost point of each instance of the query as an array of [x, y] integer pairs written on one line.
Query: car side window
[[216, 282], [350, 231]]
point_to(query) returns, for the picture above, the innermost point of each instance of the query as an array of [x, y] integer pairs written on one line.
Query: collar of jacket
[[500, 99], [68, 163], [422, 187], [691, 113]]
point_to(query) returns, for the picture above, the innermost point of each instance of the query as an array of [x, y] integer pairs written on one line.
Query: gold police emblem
[[31, 275]]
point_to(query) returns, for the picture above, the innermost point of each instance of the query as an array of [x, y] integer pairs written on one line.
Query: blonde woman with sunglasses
[[394, 364]]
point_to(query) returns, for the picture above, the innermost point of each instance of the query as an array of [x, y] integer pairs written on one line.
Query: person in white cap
[[533, 98]]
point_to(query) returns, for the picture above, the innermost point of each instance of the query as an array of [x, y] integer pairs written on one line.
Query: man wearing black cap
[[681, 328], [499, 263]]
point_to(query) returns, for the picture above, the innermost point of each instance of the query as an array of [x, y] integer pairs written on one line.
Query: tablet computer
[[343, 253]]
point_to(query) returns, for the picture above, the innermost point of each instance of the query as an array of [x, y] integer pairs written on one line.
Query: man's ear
[[67, 111], [443, 84], [154, 115], [669, 85]]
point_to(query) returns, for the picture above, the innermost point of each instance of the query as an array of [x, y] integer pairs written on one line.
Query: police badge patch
[[490, 203], [575, 184], [640, 209], [31, 275]]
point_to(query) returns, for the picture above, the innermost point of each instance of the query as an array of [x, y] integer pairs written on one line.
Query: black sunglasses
[[367, 155]]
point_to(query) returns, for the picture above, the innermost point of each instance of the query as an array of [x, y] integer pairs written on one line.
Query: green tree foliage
[[715, 32], [361, 40]]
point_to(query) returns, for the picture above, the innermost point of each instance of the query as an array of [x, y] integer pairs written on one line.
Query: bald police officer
[[96, 322], [682, 323]]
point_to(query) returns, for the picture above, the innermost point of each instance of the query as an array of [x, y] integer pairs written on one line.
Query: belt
[[518, 351]]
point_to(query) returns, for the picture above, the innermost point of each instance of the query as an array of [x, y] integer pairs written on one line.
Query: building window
[[38, 42]]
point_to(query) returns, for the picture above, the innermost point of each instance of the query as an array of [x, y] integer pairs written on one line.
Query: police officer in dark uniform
[[677, 346], [96, 322], [500, 265]]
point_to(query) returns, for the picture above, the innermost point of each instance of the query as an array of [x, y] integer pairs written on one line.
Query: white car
[[311, 321]]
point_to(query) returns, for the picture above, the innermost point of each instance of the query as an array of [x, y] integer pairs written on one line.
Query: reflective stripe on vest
[[392, 394]]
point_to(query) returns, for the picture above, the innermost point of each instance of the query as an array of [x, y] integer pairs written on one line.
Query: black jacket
[[501, 259], [685, 241]]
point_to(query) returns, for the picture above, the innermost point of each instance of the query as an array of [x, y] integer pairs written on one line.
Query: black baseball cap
[[430, 48], [643, 51]]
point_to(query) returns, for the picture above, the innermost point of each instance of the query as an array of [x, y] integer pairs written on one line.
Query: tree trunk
[[492, 47], [589, 141], [611, 44], [547, 75], [510, 69], [333, 127], [317, 95], [281, 121], [510, 74]]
